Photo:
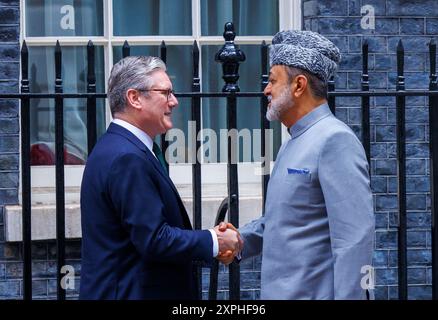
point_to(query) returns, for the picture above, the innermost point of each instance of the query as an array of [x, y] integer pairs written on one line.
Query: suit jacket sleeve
[[252, 234], [135, 197], [344, 179]]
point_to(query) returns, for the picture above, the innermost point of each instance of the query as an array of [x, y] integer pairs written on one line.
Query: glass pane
[[179, 68], [248, 109], [151, 17], [46, 18], [42, 117], [250, 17]]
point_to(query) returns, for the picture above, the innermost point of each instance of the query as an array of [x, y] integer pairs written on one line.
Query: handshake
[[230, 242]]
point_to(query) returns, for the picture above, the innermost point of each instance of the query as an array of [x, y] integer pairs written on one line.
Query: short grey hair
[[131, 73], [318, 87]]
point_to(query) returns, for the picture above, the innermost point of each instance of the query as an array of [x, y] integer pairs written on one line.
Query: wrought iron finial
[[24, 68], [126, 49], [432, 57], [229, 34], [400, 66], [230, 57], [163, 51]]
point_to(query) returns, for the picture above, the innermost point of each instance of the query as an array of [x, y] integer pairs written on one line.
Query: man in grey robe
[[317, 233]]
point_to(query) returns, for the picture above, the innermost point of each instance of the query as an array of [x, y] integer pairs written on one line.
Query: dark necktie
[[157, 151]]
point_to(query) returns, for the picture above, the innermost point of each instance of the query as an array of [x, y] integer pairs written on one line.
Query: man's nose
[[173, 101], [267, 91]]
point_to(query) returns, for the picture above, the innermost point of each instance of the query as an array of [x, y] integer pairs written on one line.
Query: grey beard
[[279, 105]]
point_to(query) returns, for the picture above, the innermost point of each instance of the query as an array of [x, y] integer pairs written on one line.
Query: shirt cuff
[[239, 256], [215, 243]]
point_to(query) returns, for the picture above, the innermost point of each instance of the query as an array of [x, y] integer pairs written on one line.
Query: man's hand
[[228, 239], [226, 257]]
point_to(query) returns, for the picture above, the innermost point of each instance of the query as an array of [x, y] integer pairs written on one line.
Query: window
[[42, 75], [144, 23], [152, 18]]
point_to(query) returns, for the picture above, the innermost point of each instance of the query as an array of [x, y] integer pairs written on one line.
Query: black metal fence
[[230, 57]]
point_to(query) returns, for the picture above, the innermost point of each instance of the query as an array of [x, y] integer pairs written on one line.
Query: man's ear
[[300, 85], [133, 98]]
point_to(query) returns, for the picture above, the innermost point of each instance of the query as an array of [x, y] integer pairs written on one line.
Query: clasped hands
[[230, 242]]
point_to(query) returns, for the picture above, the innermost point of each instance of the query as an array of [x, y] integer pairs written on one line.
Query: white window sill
[[44, 215], [43, 222]]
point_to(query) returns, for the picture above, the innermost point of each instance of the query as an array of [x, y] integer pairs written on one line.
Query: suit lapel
[[114, 128], [165, 176]]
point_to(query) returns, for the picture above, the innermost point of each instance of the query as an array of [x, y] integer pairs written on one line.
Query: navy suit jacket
[[137, 240]]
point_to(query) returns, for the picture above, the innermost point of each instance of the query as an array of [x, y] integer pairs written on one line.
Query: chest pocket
[[297, 184]]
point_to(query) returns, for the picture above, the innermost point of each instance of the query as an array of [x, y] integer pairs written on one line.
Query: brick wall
[[249, 280], [416, 23], [9, 139]]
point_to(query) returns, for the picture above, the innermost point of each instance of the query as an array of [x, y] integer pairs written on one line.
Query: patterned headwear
[[306, 50]]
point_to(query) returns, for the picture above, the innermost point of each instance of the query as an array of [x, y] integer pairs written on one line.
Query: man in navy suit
[[137, 239]]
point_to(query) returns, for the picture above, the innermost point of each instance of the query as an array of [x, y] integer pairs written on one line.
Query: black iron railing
[[230, 57]]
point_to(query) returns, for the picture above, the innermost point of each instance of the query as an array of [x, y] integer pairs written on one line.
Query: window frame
[[43, 183]]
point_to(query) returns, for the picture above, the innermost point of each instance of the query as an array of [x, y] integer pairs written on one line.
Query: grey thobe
[[318, 228]]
